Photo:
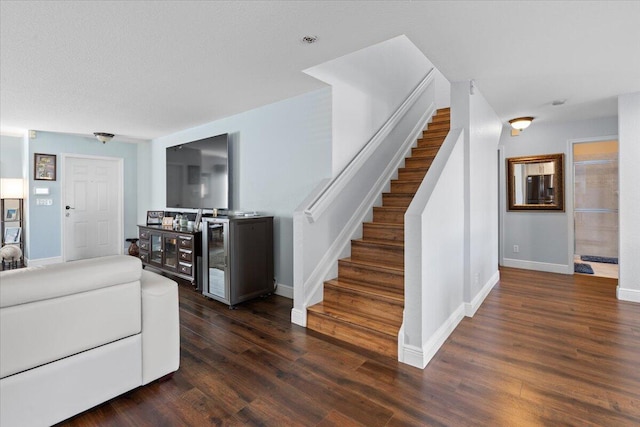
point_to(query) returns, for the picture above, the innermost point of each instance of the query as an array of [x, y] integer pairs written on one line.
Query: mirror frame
[[558, 182]]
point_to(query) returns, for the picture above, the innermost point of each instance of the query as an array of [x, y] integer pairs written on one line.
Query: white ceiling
[[143, 69]]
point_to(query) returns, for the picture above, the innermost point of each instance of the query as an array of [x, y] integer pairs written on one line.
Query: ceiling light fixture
[[309, 39], [103, 136], [521, 123]]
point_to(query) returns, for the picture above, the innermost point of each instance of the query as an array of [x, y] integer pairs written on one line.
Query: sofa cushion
[[161, 326], [59, 310], [55, 280], [44, 331]]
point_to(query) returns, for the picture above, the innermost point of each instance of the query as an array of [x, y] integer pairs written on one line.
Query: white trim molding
[[284, 290], [37, 262], [470, 308], [420, 357], [631, 295], [299, 317], [538, 266]]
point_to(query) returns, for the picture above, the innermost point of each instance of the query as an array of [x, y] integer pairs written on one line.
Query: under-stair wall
[[434, 256], [325, 223]]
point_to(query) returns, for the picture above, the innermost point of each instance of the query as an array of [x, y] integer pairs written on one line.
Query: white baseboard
[[284, 291], [632, 295], [43, 261], [420, 357], [471, 308], [299, 317], [538, 266]]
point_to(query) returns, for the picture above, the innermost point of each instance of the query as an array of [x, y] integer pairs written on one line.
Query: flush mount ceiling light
[[519, 124], [103, 136], [309, 39]]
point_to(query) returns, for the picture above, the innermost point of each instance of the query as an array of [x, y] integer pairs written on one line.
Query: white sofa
[[74, 335]]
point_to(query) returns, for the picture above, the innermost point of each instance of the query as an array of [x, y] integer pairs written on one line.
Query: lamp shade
[[12, 188]]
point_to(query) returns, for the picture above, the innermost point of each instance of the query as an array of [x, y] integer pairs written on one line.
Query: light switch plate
[[41, 191]]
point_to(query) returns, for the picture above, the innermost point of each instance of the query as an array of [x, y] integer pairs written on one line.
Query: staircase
[[364, 304]]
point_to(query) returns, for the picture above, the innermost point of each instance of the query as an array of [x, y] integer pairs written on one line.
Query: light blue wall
[[11, 156], [44, 223], [280, 154], [543, 238]]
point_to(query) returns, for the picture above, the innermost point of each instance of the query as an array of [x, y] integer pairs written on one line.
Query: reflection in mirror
[[535, 182]]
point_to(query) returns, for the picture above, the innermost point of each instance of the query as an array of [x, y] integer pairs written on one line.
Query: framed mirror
[[536, 183]]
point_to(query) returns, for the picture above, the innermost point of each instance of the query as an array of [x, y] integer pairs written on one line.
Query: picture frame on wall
[[11, 214], [44, 167], [12, 235]]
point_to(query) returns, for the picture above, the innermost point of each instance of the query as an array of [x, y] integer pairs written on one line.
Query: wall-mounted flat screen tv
[[199, 174]]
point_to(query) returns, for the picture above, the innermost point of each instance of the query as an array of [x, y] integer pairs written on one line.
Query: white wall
[[544, 238], [434, 256], [11, 156], [280, 153], [367, 87], [482, 135], [144, 181], [455, 265], [629, 202]]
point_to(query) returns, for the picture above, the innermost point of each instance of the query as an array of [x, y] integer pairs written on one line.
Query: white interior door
[[92, 207]]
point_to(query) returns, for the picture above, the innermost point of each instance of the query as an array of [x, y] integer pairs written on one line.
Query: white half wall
[[482, 129], [629, 200], [434, 256]]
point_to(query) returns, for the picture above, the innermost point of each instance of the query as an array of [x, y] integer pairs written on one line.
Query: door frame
[[120, 196], [569, 197]]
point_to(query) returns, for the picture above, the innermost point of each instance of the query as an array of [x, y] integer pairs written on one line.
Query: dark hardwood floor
[[543, 350]]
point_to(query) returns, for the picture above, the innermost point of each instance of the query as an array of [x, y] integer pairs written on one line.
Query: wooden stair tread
[[414, 169], [419, 181], [373, 265], [393, 208], [385, 225], [373, 291], [389, 244], [434, 140], [375, 326], [398, 194]]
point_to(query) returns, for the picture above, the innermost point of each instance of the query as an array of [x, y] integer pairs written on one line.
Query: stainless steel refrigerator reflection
[[540, 189]]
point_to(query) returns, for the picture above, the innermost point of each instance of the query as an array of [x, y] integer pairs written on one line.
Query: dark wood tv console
[[176, 252]]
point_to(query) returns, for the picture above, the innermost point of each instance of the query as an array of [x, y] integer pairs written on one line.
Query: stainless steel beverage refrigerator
[[237, 258]]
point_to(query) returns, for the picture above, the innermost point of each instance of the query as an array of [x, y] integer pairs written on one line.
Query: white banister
[[329, 218], [326, 197]]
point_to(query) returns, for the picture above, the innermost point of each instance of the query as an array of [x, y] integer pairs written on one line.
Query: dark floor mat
[[582, 268], [604, 259]]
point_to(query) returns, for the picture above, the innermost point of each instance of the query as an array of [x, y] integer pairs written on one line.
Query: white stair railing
[[332, 215]]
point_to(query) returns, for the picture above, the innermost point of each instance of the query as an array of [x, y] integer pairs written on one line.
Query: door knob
[[68, 207]]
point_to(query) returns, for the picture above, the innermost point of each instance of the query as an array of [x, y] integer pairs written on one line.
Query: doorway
[[92, 203], [595, 208]]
